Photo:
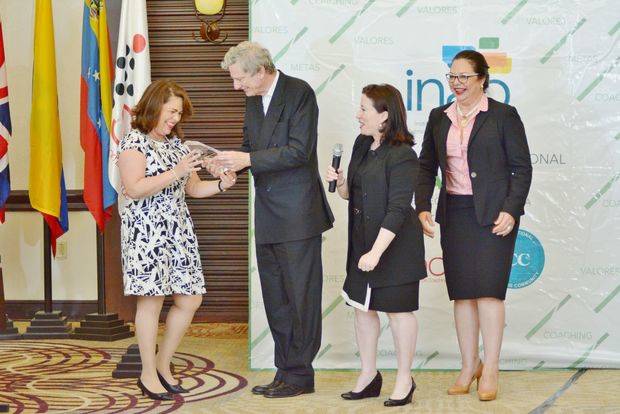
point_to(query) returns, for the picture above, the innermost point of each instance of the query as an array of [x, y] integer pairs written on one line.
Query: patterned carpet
[[54, 376]]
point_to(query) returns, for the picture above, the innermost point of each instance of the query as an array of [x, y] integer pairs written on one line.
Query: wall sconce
[[209, 29]]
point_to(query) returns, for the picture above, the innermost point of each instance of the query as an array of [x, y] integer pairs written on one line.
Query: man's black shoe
[[262, 389], [287, 390]]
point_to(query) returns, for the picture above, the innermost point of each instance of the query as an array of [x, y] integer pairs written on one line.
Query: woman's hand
[[369, 261], [504, 224], [426, 219], [189, 163], [332, 175], [228, 178]]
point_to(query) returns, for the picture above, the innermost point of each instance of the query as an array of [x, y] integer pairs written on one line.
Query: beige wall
[[21, 237]]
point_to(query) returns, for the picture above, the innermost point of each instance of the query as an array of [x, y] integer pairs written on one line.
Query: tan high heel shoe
[[489, 395], [464, 389]]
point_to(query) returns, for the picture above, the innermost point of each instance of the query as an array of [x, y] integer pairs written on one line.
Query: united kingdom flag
[[5, 132]]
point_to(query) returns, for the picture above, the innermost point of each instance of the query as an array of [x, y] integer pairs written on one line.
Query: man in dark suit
[[291, 210]]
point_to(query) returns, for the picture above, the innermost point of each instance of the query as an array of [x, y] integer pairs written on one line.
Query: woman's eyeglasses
[[462, 77]]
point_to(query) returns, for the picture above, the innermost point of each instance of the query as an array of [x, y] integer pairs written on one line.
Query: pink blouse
[[457, 172]]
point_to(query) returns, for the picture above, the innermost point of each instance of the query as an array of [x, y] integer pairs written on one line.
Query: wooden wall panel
[[221, 222]]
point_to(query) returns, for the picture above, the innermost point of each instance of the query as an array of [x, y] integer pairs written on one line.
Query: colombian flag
[[47, 183], [96, 111]]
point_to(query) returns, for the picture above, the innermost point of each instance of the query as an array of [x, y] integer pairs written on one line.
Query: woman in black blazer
[[481, 148], [385, 257]]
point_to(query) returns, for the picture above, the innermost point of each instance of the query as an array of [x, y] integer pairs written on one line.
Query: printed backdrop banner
[[558, 66]]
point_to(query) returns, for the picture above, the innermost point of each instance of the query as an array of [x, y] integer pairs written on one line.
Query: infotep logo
[[499, 63]]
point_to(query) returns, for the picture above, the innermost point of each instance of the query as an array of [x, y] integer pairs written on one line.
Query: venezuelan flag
[[47, 183], [96, 111]]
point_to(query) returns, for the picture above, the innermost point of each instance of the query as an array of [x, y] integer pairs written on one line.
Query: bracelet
[[176, 177], [219, 185]]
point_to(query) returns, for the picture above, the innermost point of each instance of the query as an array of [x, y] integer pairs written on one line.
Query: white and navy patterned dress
[[158, 244]]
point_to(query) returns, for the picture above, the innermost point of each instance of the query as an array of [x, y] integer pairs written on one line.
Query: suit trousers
[[291, 275]]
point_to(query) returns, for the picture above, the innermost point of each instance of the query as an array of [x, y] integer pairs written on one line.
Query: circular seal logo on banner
[[528, 260]]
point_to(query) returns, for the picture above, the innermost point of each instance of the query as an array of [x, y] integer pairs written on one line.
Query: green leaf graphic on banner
[[514, 11], [259, 338], [602, 191], [327, 348], [587, 353], [548, 316], [348, 24], [598, 80], [608, 299], [559, 44], [427, 360], [331, 307], [331, 78], [539, 365], [614, 29], [406, 7], [289, 44]]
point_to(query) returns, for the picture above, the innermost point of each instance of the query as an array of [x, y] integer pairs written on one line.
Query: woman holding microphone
[[385, 256]]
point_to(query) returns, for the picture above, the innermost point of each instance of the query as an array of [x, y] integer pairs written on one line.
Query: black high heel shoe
[[161, 396], [403, 401], [371, 390], [173, 389]]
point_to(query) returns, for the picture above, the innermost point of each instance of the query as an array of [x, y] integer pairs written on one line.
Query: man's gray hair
[[251, 56]]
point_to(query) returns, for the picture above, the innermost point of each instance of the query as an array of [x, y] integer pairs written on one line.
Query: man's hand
[[213, 167], [233, 160]]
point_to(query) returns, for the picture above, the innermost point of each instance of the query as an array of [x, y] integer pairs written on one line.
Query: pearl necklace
[[465, 117]]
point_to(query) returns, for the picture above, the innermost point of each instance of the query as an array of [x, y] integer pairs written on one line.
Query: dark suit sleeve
[[245, 146], [401, 181], [302, 137], [428, 168], [519, 161]]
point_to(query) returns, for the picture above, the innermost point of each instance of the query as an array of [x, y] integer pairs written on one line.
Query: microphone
[[337, 154]]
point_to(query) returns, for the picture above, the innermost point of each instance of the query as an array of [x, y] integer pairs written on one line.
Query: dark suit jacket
[[387, 188], [499, 163], [290, 202]]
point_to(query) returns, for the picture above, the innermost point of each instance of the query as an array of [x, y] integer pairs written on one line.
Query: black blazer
[[499, 161], [290, 202], [387, 195]]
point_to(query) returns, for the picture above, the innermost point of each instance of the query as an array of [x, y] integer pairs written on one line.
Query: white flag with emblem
[[132, 74]]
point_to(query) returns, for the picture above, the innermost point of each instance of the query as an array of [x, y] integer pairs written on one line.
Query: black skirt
[[477, 262]]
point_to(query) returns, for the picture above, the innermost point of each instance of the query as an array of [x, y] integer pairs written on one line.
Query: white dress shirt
[[267, 97]]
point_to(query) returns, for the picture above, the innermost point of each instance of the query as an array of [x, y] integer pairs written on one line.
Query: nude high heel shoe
[[464, 389], [490, 394]]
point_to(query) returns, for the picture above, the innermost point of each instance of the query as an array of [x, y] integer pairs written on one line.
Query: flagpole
[[47, 324], [47, 268], [101, 326], [101, 308]]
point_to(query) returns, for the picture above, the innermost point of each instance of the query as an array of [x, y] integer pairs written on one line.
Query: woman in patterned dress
[[158, 244]]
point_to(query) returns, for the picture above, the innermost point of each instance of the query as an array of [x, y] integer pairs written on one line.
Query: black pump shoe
[[161, 396], [403, 401], [173, 389], [371, 390]]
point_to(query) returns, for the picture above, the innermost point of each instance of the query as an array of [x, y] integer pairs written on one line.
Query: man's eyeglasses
[[462, 77]]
